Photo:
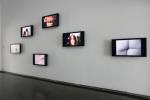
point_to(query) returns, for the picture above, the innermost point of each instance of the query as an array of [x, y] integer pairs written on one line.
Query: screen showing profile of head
[[129, 47]]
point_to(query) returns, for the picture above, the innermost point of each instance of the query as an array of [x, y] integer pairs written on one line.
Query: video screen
[[27, 31], [129, 47], [15, 48], [73, 39], [40, 59], [50, 21]]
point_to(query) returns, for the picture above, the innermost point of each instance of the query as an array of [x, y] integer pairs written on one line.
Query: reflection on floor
[[20, 88]]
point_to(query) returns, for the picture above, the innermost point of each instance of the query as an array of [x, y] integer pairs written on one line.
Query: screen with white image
[[128, 47], [15, 48]]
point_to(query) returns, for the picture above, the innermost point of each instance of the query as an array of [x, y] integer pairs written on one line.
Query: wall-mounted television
[[40, 59], [15, 48], [50, 20], [129, 47], [27, 31], [72, 39]]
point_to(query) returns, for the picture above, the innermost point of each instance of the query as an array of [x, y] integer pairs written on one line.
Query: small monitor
[[50, 21], [27, 31], [15, 48], [40, 59], [72, 39]]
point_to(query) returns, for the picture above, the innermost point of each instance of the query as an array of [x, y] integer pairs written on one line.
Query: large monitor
[[131, 47]]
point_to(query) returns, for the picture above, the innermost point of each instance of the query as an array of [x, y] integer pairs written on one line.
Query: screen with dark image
[[40, 59], [129, 47], [73, 39], [50, 20]]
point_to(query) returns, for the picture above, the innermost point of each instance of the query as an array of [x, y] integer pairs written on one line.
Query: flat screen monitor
[[50, 21], [40, 59], [131, 47], [15, 48], [73, 39], [27, 31]]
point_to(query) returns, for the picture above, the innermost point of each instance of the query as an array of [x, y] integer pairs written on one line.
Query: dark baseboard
[[116, 92], [1, 71]]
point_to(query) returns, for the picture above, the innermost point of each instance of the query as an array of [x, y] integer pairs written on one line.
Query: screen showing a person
[[40, 59], [73, 39], [50, 21], [26, 31], [129, 47]]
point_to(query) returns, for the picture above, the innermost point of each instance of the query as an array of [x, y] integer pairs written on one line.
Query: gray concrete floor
[[20, 88]]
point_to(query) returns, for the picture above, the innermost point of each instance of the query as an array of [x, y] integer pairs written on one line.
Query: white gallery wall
[[92, 64], [0, 36]]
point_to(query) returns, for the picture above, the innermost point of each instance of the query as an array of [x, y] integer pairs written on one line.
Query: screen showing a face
[[40, 59], [15, 48], [50, 21], [73, 39], [131, 47], [128, 47], [26, 31]]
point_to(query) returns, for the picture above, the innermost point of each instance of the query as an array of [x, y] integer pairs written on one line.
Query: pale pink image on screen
[[128, 47], [40, 59]]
